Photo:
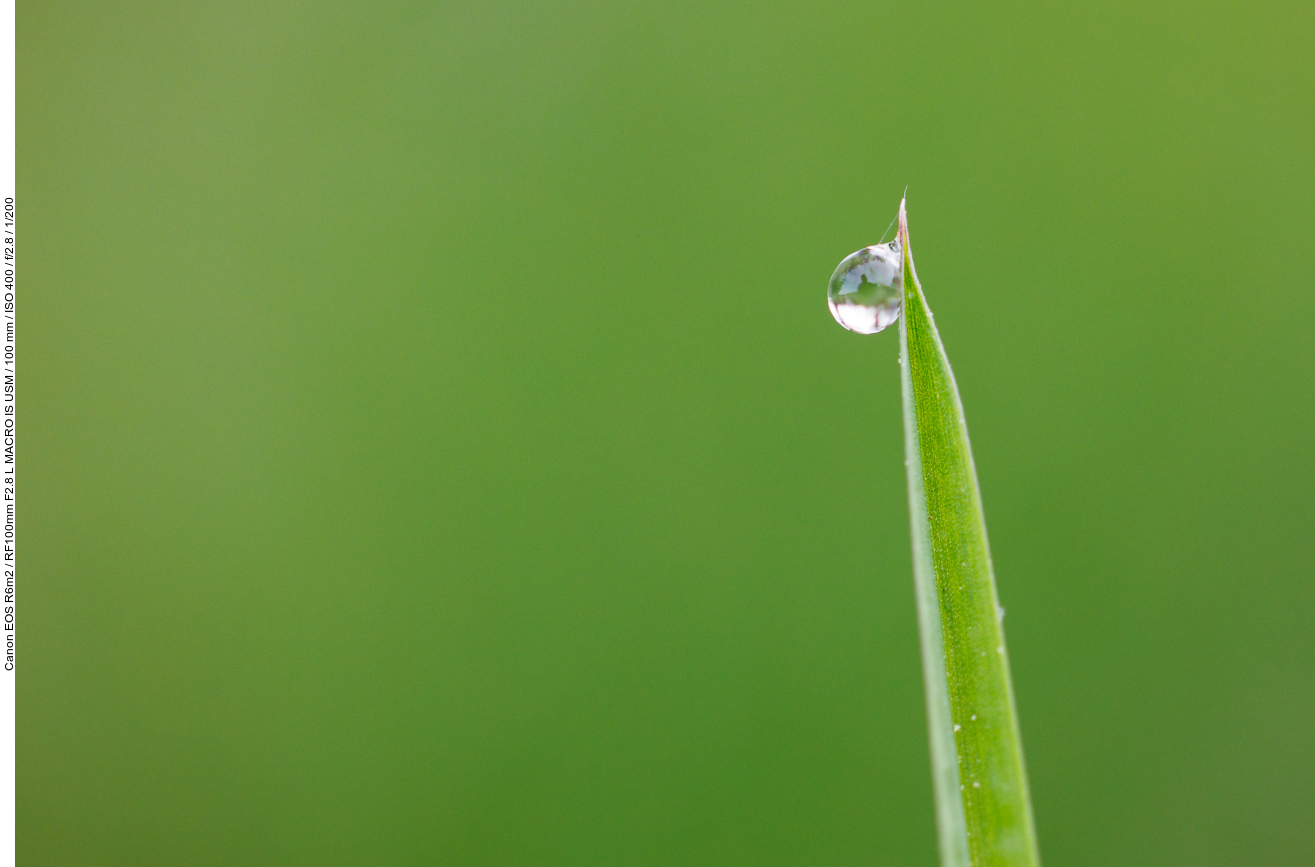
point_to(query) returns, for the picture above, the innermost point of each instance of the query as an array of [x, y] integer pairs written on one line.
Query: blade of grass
[[983, 810]]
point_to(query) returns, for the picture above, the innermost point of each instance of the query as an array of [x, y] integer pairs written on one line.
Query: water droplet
[[974, 717], [977, 785], [957, 727], [864, 295]]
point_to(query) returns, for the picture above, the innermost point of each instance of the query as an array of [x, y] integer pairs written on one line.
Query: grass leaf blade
[[983, 809]]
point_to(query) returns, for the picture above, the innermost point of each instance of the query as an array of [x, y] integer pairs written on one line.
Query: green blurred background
[[437, 449]]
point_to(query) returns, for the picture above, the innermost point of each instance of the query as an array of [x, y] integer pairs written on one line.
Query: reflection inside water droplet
[[864, 295]]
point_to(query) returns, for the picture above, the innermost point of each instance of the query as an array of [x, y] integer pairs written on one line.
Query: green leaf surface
[[983, 810]]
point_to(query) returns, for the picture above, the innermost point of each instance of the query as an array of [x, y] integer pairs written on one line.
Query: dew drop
[[864, 294]]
